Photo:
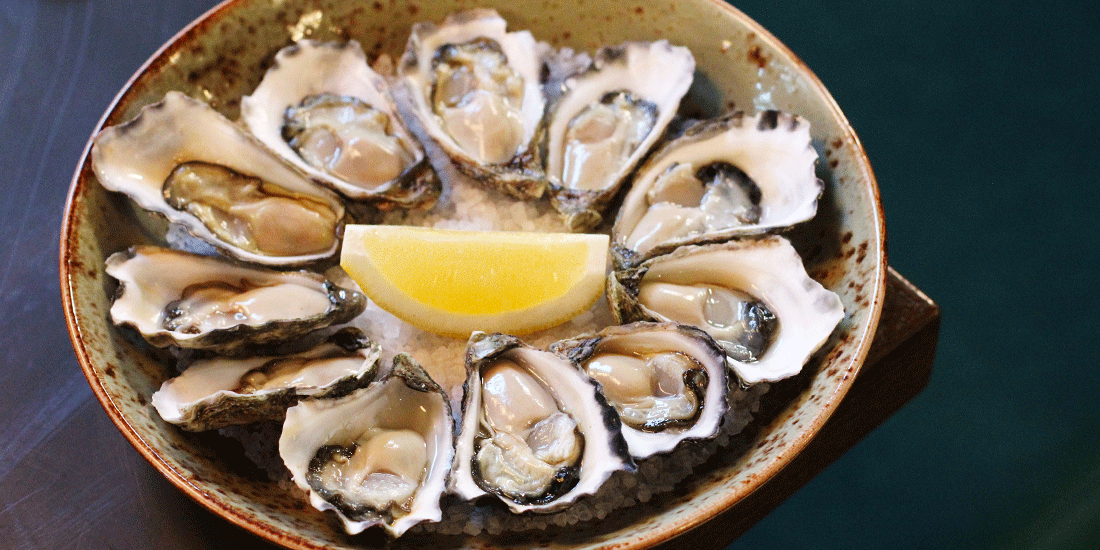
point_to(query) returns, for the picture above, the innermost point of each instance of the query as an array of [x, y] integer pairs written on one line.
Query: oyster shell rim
[[642, 444], [583, 210], [226, 407], [700, 132], [623, 285], [345, 304], [410, 374], [519, 177], [416, 187], [481, 349], [155, 203]]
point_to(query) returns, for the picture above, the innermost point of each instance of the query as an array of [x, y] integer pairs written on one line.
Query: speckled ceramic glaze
[[223, 55]]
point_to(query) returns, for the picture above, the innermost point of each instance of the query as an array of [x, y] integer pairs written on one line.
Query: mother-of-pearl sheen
[[256, 306], [709, 307]]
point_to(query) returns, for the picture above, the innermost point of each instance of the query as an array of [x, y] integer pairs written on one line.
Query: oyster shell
[[606, 120], [221, 391], [666, 381], [534, 432], [378, 456], [184, 160], [732, 176], [475, 88], [177, 298], [753, 296], [322, 108]]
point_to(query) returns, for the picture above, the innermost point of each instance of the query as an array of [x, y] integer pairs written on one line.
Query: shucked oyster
[[184, 160], [323, 109], [378, 456], [476, 90], [606, 120], [666, 381], [753, 296], [535, 432], [177, 298], [735, 175], [217, 392]]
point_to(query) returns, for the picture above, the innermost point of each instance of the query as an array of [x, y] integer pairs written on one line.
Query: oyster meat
[[184, 160], [476, 90], [323, 109], [217, 392], [378, 456], [534, 430], [732, 176], [606, 120], [177, 298], [666, 381], [753, 296]]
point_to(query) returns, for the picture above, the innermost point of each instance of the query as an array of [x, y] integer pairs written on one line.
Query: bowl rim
[[638, 540]]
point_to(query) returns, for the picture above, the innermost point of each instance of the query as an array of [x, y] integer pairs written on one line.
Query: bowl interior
[[223, 55]]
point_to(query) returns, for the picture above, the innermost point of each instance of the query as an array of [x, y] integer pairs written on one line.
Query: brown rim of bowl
[[855, 361], [640, 540]]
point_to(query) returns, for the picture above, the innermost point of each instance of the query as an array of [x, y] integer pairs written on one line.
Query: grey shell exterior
[[622, 291]]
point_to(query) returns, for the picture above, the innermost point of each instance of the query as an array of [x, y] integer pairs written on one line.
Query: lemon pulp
[[453, 282]]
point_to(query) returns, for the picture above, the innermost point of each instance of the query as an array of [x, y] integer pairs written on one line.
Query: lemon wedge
[[454, 282]]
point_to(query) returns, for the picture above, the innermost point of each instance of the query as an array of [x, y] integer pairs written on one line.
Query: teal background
[[980, 120]]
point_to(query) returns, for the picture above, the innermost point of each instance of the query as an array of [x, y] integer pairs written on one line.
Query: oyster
[[217, 392], [666, 381], [323, 109], [184, 160], [476, 90], [534, 430], [378, 456], [606, 120], [177, 298], [732, 176], [753, 296]]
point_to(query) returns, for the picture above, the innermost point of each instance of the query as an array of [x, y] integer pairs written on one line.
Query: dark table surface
[[981, 122]]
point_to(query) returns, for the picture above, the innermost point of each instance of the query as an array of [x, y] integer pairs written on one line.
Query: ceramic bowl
[[223, 55]]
